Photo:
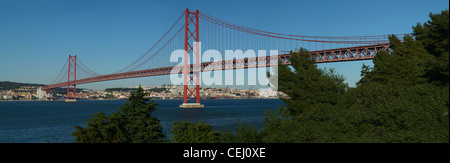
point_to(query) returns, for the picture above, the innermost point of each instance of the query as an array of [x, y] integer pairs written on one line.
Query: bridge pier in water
[[72, 73], [191, 19], [192, 105], [71, 100]]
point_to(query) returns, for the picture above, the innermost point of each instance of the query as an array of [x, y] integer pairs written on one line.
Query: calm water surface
[[53, 121]]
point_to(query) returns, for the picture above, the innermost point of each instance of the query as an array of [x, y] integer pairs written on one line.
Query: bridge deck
[[321, 56]]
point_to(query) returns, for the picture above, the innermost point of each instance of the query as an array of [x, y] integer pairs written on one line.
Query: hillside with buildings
[[27, 91]]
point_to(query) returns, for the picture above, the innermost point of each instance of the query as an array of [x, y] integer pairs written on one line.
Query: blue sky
[[36, 37]]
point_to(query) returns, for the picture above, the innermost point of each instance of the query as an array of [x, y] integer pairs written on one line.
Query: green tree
[[407, 64], [306, 85], [187, 132], [404, 97], [101, 129], [132, 123], [434, 35], [242, 134], [313, 97]]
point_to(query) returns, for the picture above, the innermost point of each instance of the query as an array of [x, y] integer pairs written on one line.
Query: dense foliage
[[186, 132], [132, 123]]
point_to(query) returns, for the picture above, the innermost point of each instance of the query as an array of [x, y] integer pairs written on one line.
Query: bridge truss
[[220, 35]]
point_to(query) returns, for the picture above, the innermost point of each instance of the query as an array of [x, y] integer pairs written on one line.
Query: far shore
[[153, 99]]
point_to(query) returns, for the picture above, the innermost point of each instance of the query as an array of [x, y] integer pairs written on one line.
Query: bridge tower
[[191, 32], [72, 74]]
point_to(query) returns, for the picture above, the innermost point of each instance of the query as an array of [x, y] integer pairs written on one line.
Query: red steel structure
[[191, 21], [72, 72], [219, 34], [324, 56]]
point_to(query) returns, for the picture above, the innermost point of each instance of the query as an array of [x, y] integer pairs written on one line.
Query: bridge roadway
[[322, 56]]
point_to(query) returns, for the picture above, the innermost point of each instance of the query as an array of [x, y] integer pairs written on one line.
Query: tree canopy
[[132, 123]]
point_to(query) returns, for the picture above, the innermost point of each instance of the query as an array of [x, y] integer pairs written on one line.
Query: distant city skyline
[[36, 37]]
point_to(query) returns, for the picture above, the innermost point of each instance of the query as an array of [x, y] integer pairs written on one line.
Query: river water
[[53, 121]]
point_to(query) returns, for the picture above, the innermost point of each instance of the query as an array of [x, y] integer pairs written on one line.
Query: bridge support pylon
[[72, 74], [191, 22]]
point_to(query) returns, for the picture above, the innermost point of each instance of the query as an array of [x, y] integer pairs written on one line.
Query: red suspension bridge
[[220, 35]]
